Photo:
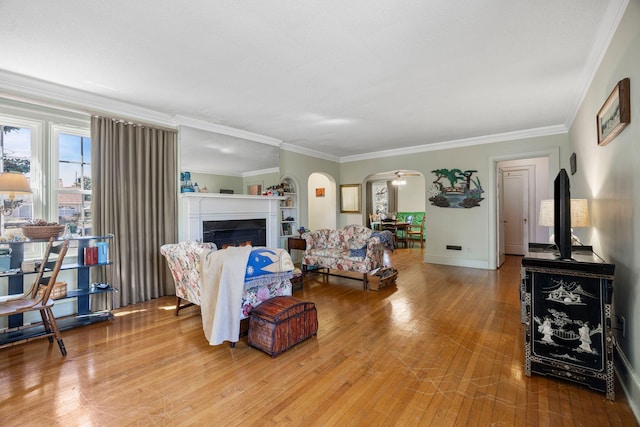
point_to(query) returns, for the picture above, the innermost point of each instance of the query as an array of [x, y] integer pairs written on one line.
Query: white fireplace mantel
[[198, 207]]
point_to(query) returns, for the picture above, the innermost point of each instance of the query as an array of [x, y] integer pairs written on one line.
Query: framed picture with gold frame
[[350, 198]]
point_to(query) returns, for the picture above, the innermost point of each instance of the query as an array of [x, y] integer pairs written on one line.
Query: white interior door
[[500, 217], [516, 211]]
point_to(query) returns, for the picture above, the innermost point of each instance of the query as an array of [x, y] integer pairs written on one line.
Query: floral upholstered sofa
[[352, 248], [184, 260]]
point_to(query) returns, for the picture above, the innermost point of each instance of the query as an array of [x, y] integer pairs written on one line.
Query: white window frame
[[38, 155], [55, 130]]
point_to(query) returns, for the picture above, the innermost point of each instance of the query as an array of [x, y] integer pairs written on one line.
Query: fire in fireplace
[[235, 232]]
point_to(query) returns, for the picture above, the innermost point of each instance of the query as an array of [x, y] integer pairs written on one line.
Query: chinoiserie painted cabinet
[[568, 315]]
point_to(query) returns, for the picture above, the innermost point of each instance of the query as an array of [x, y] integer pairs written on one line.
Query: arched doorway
[[322, 198], [394, 191]]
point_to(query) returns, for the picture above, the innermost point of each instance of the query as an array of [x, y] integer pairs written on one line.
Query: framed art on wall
[[350, 198], [615, 113]]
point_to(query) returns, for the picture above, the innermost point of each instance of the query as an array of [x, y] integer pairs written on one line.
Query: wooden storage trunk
[[381, 278], [280, 323], [297, 281]]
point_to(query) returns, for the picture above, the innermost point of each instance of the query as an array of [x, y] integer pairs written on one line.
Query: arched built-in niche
[[322, 206]]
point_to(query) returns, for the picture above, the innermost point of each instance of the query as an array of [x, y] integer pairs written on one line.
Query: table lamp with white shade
[[12, 183], [579, 216]]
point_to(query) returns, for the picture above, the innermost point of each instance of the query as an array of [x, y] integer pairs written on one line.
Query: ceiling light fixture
[[399, 180]]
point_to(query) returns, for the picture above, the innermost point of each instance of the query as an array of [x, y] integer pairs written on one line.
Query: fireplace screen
[[235, 232]]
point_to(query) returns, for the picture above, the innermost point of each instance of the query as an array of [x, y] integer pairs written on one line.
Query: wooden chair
[[32, 300], [390, 225], [417, 232], [402, 231]]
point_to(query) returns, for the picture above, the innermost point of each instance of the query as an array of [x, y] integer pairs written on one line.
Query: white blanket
[[222, 286]]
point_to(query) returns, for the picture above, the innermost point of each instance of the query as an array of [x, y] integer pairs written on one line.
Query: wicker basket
[[42, 231], [381, 278], [59, 290]]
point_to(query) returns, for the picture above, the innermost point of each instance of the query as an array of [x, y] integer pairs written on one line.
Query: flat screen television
[[562, 214]]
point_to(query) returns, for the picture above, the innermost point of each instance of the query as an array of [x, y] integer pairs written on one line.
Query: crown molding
[[236, 175], [459, 143], [260, 172], [226, 130], [309, 152], [27, 89], [211, 172], [47, 94], [604, 35]]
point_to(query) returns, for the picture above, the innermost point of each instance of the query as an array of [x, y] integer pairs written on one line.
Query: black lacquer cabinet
[[568, 315]]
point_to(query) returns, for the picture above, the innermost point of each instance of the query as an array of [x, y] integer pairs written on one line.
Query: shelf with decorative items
[[288, 211], [86, 254]]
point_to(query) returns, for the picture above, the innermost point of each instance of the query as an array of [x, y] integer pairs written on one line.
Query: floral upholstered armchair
[[352, 248], [184, 260]]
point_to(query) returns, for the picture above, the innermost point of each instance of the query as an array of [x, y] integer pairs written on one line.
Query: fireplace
[[198, 208], [235, 232]]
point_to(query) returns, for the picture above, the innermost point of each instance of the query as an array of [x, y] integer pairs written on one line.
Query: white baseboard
[[457, 262], [629, 380]]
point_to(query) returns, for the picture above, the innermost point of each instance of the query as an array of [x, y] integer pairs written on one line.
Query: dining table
[[399, 226]]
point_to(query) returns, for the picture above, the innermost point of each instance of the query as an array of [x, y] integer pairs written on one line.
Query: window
[[15, 153], [53, 149], [74, 179]]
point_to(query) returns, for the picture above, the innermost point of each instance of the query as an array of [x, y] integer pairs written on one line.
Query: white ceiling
[[342, 78]]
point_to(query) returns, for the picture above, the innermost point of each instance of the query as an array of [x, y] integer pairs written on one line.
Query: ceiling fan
[[406, 173]]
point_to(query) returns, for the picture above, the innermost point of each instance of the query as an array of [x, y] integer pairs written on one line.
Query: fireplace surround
[[196, 208]]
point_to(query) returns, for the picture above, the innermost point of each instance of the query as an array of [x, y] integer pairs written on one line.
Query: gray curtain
[[392, 194], [134, 170]]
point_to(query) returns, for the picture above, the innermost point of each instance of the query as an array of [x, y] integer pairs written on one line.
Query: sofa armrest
[[375, 252]]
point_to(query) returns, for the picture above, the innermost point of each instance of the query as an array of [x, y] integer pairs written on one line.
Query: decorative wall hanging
[[459, 193], [615, 114], [572, 163], [320, 192]]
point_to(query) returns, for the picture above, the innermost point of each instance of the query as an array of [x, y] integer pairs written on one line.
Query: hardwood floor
[[443, 348]]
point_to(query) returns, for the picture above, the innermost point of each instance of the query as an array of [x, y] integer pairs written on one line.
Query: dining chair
[[417, 232], [403, 230], [38, 298], [390, 225]]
